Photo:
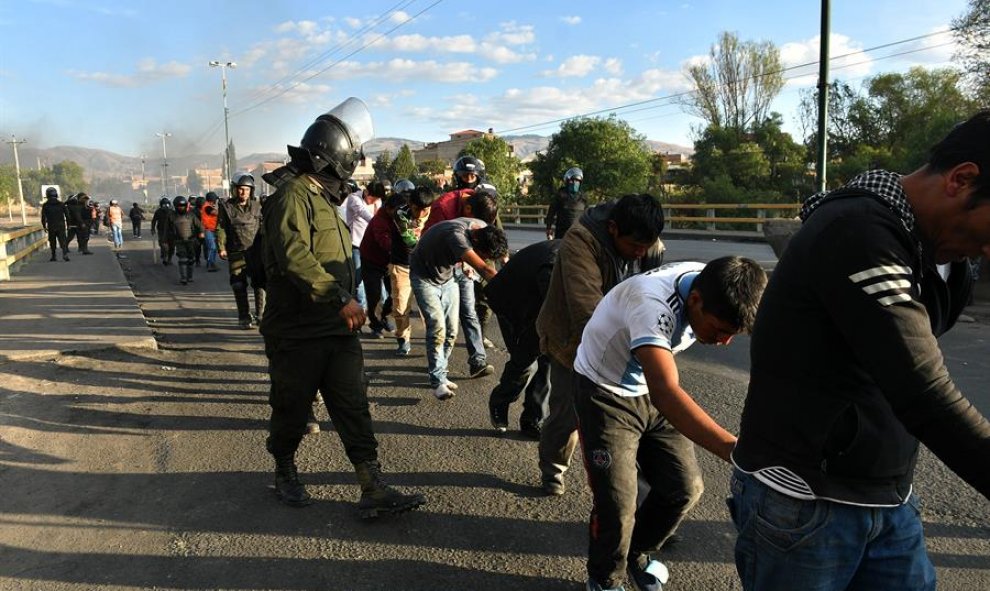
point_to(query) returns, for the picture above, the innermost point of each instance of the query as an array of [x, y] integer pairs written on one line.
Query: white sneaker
[[443, 392], [451, 385]]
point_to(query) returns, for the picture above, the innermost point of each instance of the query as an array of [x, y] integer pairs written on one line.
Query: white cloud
[[570, 20], [576, 66], [848, 60], [352, 22], [303, 93], [936, 50], [497, 47], [148, 72], [387, 99], [513, 33], [399, 17], [613, 66], [399, 69]]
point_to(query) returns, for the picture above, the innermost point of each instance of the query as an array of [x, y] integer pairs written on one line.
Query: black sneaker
[[481, 370], [530, 430], [499, 417]]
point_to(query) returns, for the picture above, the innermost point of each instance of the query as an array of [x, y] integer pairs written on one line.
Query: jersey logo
[[887, 284], [666, 324], [601, 459]]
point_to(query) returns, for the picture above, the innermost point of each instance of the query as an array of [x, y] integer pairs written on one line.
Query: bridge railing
[[16, 245], [699, 216]]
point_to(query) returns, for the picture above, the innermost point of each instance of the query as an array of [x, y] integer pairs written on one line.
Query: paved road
[[141, 468]]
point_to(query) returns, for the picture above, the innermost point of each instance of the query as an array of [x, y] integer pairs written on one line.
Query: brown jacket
[[584, 273]]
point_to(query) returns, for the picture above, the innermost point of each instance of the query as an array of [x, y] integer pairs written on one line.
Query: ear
[[467, 211], [960, 178]]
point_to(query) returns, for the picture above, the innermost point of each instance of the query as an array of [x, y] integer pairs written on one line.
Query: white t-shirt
[[358, 213], [646, 309]]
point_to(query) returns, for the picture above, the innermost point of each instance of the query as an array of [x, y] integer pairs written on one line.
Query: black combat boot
[[377, 497], [259, 305], [243, 308], [288, 489]]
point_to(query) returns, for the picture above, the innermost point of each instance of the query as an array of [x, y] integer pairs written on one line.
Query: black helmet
[[333, 142], [51, 193], [244, 179], [200, 200], [573, 174], [180, 201], [466, 164], [402, 185], [211, 196], [164, 202]]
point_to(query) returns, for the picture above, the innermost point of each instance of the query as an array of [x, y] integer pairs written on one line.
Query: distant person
[[196, 207], [96, 212], [137, 216], [376, 248], [406, 230], [209, 215], [78, 216], [516, 295], [567, 206], [610, 243], [184, 229], [637, 422], [442, 247], [359, 208], [239, 240], [159, 226], [115, 220], [847, 377], [54, 220]]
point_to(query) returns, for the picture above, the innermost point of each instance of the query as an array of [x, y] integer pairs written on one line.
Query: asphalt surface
[[144, 468]]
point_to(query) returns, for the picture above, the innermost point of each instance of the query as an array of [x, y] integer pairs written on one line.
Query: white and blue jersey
[[646, 309]]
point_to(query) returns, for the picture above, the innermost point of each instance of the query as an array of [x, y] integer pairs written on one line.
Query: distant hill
[[103, 164]]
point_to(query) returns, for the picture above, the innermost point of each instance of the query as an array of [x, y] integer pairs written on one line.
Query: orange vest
[[209, 220]]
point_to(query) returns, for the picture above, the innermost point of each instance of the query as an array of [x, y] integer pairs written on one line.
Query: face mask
[[574, 188]]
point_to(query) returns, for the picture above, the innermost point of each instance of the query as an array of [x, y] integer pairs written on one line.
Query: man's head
[[82, 197], [468, 172], [332, 144], [114, 202], [724, 298], [482, 204], [634, 224], [573, 179], [950, 195], [376, 190], [242, 186], [489, 243], [421, 201], [51, 193], [180, 203], [212, 197]]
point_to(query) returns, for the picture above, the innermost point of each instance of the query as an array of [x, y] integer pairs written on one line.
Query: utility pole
[[163, 135], [17, 169], [823, 58], [228, 165]]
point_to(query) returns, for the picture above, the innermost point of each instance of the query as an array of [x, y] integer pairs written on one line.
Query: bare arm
[[471, 258], [677, 405]]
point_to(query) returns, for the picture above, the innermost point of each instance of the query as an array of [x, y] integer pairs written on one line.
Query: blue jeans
[[211, 248], [826, 546], [360, 296], [117, 235], [469, 320], [438, 303]]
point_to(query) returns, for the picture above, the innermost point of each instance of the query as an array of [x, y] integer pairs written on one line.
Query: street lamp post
[[17, 169], [163, 135], [226, 128]]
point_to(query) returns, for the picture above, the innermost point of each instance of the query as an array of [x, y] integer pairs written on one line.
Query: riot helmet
[[403, 185], [572, 179], [200, 200], [487, 188], [180, 203], [212, 197], [243, 179], [468, 165], [164, 202], [51, 193], [333, 142]]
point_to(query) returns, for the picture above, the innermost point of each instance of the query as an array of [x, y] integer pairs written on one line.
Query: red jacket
[[377, 242], [447, 207]]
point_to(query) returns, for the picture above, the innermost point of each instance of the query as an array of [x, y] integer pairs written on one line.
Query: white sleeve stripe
[[880, 270], [887, 285], [894, 299]]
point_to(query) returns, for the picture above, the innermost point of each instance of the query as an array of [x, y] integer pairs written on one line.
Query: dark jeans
[[623, 437], [136, 227], [526, 370], [167, 249], [334, 366], [373, 278], [57, 236]]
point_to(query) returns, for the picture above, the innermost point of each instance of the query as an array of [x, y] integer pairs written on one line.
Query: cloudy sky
[[110, 74]]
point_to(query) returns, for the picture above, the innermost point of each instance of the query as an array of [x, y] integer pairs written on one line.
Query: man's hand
[[549, 234], [489, 272], [223, 254], [353, 314]]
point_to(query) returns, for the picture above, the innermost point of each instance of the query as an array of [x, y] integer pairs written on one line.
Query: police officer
[[238, 233], [312, 317], [54, 219], [567, 206], [78, 217], [184, 229], [159, 227]]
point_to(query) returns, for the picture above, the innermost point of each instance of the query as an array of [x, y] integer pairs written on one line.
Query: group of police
[[75, 219]]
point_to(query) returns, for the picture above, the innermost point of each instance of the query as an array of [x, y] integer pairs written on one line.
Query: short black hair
[[730, 289], [422, 197], [968, 141], [377, 188], [638, 216], [397, 200], [490, 241], [483, 206]]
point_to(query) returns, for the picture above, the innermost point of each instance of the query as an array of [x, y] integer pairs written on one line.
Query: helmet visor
[[353, 114]]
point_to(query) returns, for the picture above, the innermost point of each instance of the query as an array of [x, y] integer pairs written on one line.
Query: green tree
[[658, 175], [382, 166], [432, 167], [736, 86], [404, 166], [613, 157], [502, 167], [972, 30], [69, 176], [194, 182], [8, 186]]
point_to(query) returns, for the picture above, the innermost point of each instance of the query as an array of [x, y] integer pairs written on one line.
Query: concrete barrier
[[16, 245]]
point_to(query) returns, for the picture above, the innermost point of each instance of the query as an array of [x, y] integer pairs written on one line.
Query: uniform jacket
[[587, 268], [159, 223], [53, 215], [76, 213], [846, 373], [564, 210], [307, 253], [183, 226], [238, 226]]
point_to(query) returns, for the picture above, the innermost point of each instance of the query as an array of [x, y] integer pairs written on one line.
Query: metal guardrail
[[731, 214], [16, 245]]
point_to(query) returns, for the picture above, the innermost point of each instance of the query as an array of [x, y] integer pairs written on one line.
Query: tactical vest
[[184, 229], [244, 223]]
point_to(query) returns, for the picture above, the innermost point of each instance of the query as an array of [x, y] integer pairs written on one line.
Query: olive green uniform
[[307, 254]]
